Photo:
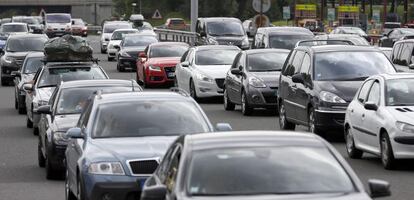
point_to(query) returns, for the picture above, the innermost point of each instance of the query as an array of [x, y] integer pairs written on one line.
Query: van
[[57, 24]]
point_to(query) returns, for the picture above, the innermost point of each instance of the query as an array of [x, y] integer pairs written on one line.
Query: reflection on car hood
[[214, 71], [17, 54], [164, 61], [334, 196], [65, 122], [45, 93], [402, 113], [344, 89], [271, 78]]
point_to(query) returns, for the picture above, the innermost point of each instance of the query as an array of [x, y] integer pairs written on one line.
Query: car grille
[[220, 83], [270, 99], [142, 167], [169, 70], [226, 42], [133, 54]]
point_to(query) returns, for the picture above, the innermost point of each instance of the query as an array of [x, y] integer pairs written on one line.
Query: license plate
[[171, 74]]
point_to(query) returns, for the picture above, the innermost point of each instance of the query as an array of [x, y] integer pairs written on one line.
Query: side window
[[362, 96], [304, 69], [198, 28], [297, 61], [162, 169], [171, 177], [236, 62], [395, 52], [406, 52], [374, 94], [288, 62], [184, 56], [190, 57], [84, 118]]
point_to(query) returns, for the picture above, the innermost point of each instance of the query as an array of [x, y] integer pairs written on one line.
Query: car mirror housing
[[371, 106], [298, 78], [156, 192], [74, 133], [44, 110], [142, 55], [236, 71], [185, 64], [15, 74], [223, 127], [28, 87], [379, 188]]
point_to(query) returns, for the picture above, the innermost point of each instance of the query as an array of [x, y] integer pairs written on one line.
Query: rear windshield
[[167, 51], [177, 22], [13, 28], [261, 62], [110, 28], [26, 44], [119, 35], [286, 41], [32, 64], [52, 76], [58, 18], [216, 56], [137, 41]]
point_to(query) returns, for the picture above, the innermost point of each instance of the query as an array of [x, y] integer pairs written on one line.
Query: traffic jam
[[149, 138]]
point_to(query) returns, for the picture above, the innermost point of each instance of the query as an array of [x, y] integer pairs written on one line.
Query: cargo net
[[68, 48]]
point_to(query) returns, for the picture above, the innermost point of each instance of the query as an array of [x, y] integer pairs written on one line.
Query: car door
[[30, 94], [230, 82], [183, 73], [303, 90], [45, 123], [285, 82], [172, 172], [395, 53], [292, 102]]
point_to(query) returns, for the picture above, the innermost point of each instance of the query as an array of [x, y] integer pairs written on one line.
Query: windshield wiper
[[43, 86], [361, 78]]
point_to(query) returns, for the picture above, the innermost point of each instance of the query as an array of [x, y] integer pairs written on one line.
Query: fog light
[[256, 99]]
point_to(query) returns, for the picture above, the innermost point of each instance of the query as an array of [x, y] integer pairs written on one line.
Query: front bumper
[[209, 89], [127, 62], [56, 155], [111, 52], [402, 144], [163, 77], [262, 97], [330, 119]]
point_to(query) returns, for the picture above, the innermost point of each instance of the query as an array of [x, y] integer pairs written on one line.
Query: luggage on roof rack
[[68, 48]]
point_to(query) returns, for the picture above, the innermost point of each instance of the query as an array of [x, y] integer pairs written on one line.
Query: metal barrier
[[176, 36]]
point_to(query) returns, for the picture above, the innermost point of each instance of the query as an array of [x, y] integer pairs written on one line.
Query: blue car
[[120, 139]]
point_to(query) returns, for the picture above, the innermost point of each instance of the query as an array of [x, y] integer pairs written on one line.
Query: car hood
[[402, 113], [271, 79], [163, 61], [17, 54], [214, 71], [344, 89], [335, 196], [65, 122], [45, 93], [115, 42]]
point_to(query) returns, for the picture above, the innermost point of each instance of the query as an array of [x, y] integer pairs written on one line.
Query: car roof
[[35, 54], [395, 76], [338, 48], [254, 51], [284, 30], [136, 96], [98, 83], [210, 19], [28, 35], [15, 23], [70, 64], [405, 41], [252, 138], [125, 29], [168, 43], [209, 47]]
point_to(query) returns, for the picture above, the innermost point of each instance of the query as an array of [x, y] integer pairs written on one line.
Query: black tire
[[311, 123], [228, 105], [387, 155], [40, 158], [16, 104], [110, 59], [21, 109], [29, 124], [352, 151], [283, 122], [4, 82], [245, 107], [193, 92], [68, 193], [51, 172], [103, 51], [80, 193], [35, 131]]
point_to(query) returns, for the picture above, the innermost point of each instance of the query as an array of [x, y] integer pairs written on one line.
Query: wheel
[[29, 124], [245, 107], [21, 109], [80, 195], [4, 82], [387, 155], [283, 122], [311, 123], [228, 105], [40, 158], [103, 50], [68, 194], [352, 151], [16, 104], [35, 131], [51, 173], [193, 92]]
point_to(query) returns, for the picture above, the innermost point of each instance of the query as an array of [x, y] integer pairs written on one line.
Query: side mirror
[[371, 106], [411, 66], [298, 78], [379, 188], [74, 133], [44, 110], [156, 192], [99, 32], [235, 71], [15, 74], [142, 55], [185, 64], [203, 34], [223, 127], [28, 87], [117, 47]]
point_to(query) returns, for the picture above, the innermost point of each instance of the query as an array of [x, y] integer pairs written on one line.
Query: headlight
[[203, 77], [154, 68], [60, 138], [405, 127], [256, 82], [124, 54], [212, 41], [245, 42], [106, 168], [330, 97], [8, 60]]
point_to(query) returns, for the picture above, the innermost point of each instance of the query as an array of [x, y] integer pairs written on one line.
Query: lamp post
[[134, 5]]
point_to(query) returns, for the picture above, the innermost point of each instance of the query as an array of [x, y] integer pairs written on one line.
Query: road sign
[[331, 14], [265, 5], [305, 11], [376, 16], [260, 21], [157, 15], [348, 9], [308, 7], [286, 12]]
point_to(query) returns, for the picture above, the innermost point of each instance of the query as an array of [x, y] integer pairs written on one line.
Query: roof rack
[[180, 91], [94, 60], [323, 42]]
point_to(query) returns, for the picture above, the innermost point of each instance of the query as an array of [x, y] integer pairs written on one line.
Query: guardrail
[[176, 36]]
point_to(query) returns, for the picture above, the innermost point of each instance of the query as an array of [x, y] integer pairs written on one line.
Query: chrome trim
[[295, 104], [158, 159], [332, 111]]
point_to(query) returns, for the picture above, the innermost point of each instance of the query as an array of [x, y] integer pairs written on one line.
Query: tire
[[80, 194], [283, 122], [193, 92], [103, 51], [35, 131], [21, 109], [246, 108], [352, 151], [68, 194], [228, 105], [4, 82], [387, 155], [311, 123], [29, 124], [40, 158], [110, 59], [51, 172], [16, 104]]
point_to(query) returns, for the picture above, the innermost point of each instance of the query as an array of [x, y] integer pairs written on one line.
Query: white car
[[107, 30], [115, 40], [380, 119], [204, 69]]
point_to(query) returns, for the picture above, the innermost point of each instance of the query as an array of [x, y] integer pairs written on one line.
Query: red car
[[79, 27], [156, 65]]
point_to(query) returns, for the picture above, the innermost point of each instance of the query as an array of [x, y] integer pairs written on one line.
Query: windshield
[[359, 41], [225, 28], [407, 31], [78, 22], [52, 76], [58, 18], [286, 41], [350, 65], [110, 28], [266, 170], [32, 64], [13, 28], [272, 61], [148, 118], [74, 100], [356, 31], [400, 92], [216, 56], [140, 40], [119, 35], [167, 51], [26, 44], [392, 25]]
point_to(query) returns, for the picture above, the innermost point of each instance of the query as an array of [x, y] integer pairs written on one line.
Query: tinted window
[[119, 35], [305, 64], [13, 28], [167, 51], [286, 41], [52, 76], [364, 91], [392, 25], [293, 68], [374, 93], [58, 18], [26, 44], [177, 22], [272, 61], [215, 56], [32, 64], [225, 28], [400, 92], [350, 66], [110, 28], [148, 118], [133, 41], [266, 170], [395, 52], [405, 56]]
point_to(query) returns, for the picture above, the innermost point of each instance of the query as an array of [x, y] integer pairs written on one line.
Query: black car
[[16, 49], [256, 165], [280, 37], [65, 106], [253, 79], [403, 55], [130, 47], [394, 35], [317, 83], [31, 63], [221, 31]]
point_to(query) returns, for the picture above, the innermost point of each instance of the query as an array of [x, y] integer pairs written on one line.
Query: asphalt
[[21, 178]]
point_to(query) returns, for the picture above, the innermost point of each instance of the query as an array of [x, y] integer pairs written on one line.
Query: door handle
[[352, 110], [363, 115]]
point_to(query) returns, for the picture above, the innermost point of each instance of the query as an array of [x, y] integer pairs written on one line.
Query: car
[[40, 89], [6, 20], [389, 26], [57, 24], [354, 39], [65, 106], [16, 49], [107, 30], [280, 37], [317, 84], [248, 27], [379, 119], [79, 27], [131, 46], [33, 23], [204, 69], [208, 166], [403, 55], [156, 65], [351, 30], [221, 31], [14, 28], [32, 62], [393, 36], [253, 79], [116, 39], [121, 137], [175, 24], [387, 51], [138, 23]]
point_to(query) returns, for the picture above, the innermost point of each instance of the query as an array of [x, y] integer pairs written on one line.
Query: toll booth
[[348, 15]]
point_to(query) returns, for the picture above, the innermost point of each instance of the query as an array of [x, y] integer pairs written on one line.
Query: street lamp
[[134, 5]]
